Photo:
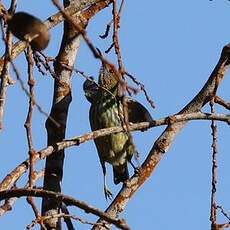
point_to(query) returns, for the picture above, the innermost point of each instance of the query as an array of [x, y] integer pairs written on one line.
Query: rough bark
[[59, 111]]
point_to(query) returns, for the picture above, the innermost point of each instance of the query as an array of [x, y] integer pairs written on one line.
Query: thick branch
[[59, 111], [163, 143], [62, 198]]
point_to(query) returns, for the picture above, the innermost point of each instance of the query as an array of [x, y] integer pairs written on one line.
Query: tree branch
[[51, 22], [61, 100], [63, 198], [5, 73], [13, 176], [7, 206], [162, 144]]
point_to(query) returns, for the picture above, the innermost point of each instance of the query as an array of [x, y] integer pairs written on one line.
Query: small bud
[[25, 27]]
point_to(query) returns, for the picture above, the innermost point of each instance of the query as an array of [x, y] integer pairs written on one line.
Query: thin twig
[[142, 86], [46, 65], [38, 63], [214, 166], [64, 216], [5, 72], [105, 35], [91, 78], [28, 127], [28, 94], [120, 68], [67, 219], [223, 212], [13, 6], [110, 47], [118, 53], [7, 206], [116, 20], [30, 113], [222, 102]]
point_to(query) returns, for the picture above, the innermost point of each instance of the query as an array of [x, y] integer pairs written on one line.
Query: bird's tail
[[120, 173]]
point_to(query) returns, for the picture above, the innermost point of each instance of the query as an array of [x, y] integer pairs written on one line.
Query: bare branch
[[29, 95], [105, 35], [67, 219], [28, 127], [162, 144], [214, 167], [43, 153], [5, 73], [223, 212], [7, 206], [51, 22], [95, 52], [222, 102], [61, 100], [64, 216], [120, 223], [142, 86]]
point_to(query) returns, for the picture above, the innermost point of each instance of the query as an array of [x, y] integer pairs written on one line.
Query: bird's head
[[107, 79], [91, 89]]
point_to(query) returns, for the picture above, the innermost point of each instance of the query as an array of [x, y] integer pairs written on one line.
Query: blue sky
[[172, 47]]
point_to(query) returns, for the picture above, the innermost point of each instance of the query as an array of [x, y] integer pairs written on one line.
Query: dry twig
[[67, 218], [214, 166], [223, 212], [105, 35], [64, 216], [151, 102], [5, 73], [28, 94], [222, 102], [7, 206], [28, 127]]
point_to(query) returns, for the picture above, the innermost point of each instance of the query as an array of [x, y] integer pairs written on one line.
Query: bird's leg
[[136, 168], [108, 194]]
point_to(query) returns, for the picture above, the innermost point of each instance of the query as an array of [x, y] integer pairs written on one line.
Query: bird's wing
[[137, 112]]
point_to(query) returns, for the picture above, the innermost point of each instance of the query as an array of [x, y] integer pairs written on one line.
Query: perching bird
[[107, 111]]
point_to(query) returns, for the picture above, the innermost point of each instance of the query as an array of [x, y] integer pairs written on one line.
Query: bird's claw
[[136, 170], [108, 194]]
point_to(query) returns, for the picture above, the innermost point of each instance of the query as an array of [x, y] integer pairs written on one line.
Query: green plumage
[[107, 111], [115, 148]]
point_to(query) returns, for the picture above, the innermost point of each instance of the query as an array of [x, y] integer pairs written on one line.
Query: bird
[[106, 111]]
